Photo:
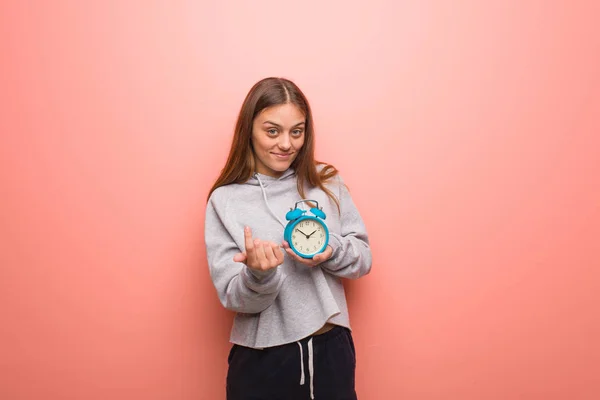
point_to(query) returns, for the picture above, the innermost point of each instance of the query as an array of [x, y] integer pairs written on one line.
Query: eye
[[272, 132], [297, 132]]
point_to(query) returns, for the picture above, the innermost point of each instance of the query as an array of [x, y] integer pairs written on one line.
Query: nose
[[284, 141]]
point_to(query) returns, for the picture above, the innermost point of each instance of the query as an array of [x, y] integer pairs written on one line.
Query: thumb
[[319, 258], [324, 256], [240, 257]]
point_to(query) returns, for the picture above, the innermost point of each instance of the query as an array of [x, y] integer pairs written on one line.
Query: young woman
[[291, 333]]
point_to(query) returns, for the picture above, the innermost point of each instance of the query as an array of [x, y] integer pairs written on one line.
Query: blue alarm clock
[[307, 235]]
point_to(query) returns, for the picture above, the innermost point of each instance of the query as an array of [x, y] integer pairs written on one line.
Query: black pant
[[276, 373]]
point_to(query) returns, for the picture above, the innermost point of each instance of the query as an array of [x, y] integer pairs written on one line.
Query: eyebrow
[[273, 123]]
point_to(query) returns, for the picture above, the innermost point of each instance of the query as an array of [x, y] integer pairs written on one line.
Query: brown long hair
[[240, 163]]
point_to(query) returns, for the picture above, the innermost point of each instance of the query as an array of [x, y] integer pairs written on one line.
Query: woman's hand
[[260, 255], [311, 262]]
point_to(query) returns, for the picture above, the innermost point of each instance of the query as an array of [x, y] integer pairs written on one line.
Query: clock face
[[308, 236]]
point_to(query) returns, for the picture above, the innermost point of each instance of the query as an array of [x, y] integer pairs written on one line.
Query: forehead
[[282, 114]]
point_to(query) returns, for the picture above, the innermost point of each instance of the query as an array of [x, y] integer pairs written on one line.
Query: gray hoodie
[[291, 301]]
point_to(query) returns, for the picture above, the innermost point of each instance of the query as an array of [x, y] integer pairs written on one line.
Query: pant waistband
[[324, 337]]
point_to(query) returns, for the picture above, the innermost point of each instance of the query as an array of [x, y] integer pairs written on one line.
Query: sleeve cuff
[[260, 280]]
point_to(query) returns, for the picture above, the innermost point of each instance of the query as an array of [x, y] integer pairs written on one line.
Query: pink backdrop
[[469, 134]]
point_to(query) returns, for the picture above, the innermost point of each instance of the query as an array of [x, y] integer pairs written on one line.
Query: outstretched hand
[[311, 262], [260, 255]]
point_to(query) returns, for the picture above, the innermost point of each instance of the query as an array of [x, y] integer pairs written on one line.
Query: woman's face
[[277, 137]]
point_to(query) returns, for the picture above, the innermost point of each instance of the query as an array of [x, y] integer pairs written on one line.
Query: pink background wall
[[469, 135]]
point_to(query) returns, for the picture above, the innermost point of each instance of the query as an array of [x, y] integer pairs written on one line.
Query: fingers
[[259, 254], [269, 254], [324, 256], [278, 252], [250, 253], [273, 253], [307, 261], [292, 254], [311, 262], [240, 257]]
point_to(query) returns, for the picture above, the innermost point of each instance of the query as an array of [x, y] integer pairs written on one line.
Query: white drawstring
[[311, 368], [264, 193]]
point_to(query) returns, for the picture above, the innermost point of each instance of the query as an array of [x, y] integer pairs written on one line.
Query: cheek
[[255, 143], [258, 145], [298, 143]]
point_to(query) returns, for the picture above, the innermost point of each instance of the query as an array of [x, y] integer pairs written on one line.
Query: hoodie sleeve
[[351, 257], [239, 288]]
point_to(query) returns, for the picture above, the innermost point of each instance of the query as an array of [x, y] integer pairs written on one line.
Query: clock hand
[[310, 234], [302, 232]]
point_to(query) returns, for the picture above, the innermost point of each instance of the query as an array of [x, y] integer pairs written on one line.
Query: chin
[[279, 168]]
